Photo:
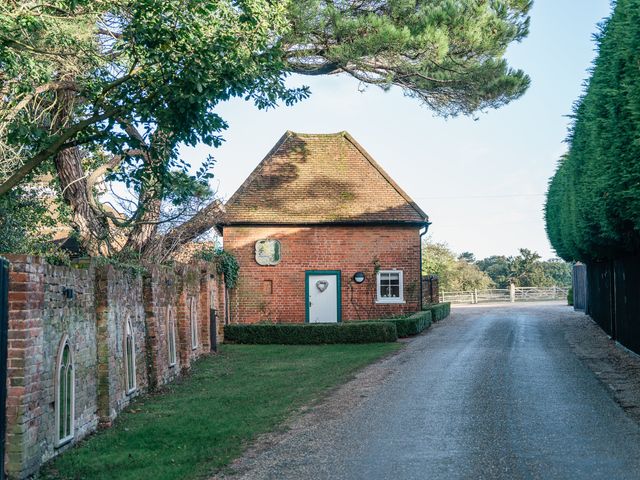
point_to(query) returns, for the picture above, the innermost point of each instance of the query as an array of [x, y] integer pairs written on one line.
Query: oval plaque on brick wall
[[268, 252]]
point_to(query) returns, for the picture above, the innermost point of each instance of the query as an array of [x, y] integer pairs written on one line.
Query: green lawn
[[202, 422]]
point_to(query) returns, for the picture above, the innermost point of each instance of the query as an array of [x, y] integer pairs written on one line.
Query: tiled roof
[[320, 178]]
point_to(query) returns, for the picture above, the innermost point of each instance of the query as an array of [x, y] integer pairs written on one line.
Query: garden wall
[[430, 290], [101, 312]]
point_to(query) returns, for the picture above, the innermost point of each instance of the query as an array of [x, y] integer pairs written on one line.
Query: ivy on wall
[[226, 264]]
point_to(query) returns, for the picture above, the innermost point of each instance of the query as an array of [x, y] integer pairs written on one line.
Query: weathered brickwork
[[189, 304], [277, 293], [40, 317], [430, 290], [118, 301], [216, 300], [90, 305], [160, 300]]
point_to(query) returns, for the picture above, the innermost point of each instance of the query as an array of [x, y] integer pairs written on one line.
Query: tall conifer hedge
[[593, 202]]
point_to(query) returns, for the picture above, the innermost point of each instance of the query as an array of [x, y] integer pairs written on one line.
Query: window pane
[[194, 324], [389, 284], [129, 363], [172, 341], [69, 399], [61, 401]]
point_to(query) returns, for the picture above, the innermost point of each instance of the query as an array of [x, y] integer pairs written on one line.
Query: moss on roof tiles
[[320, 178]]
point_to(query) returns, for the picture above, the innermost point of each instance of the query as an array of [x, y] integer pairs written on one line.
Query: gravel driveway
[[508, 392]]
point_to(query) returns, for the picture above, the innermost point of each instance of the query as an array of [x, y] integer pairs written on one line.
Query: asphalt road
[[490, 393]]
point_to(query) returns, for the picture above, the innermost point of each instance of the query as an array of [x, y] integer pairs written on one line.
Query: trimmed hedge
[[439, 311], [592, 210], [413, 325], [312, 334]]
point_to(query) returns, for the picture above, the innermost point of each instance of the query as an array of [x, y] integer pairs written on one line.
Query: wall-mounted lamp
[[358, 277], [67, 293]]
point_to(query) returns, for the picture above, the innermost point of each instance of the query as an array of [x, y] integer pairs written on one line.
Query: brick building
[[322, 234]]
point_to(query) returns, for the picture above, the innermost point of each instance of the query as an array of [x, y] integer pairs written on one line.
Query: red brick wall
[[93, 319], [160, 295], [40, 316], [190, 290], [348, 249], [430, 290], [118, 300]]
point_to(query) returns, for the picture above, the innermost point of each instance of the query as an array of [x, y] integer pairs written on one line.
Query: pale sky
[[482, 182]]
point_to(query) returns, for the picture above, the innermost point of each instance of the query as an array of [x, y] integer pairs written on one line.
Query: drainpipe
[[422, 233]]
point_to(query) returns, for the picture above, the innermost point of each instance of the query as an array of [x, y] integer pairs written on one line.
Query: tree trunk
[[92, 227], [145, 228], [142, 237]]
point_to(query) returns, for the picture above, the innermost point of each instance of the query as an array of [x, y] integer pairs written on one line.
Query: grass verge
[[200, 423]]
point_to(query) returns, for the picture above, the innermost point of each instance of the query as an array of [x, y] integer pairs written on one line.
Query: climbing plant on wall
[[226, 264]]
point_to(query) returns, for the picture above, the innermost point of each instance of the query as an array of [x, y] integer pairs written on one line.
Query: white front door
[[323, 293]]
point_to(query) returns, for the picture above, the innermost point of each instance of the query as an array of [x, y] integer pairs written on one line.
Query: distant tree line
[[593, 202], [464, 272]]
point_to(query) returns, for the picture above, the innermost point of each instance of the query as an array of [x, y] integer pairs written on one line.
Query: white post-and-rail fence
[[513, 294]]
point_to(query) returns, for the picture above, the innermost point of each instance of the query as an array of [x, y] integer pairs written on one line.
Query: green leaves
[[85, 73], [162, 65], [28, 219], [593, 202], [448, 54], [453, 273], [167, 64], [498, 271]]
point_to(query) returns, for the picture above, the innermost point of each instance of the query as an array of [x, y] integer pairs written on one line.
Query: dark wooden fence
[[613, 299], [580, 287]]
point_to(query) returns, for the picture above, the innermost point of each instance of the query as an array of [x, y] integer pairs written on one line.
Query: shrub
[[570, 297], [412, 325], [316, 333], [439, 311]]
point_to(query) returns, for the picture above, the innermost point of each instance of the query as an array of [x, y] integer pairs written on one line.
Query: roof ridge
[[341, 133]]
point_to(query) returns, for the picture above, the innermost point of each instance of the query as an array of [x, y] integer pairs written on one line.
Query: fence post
[[475, 295], [512, 292]]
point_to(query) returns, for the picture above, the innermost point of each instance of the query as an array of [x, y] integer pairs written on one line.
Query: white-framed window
[[171, 336], [129, 357], [389, 286], [65, 394], [193, 316]]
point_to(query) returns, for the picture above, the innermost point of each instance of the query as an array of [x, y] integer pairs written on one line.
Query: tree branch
[[200, 223], [51, 150]]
